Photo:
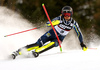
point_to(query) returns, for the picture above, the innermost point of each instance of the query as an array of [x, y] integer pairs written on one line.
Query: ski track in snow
[[11, 22]]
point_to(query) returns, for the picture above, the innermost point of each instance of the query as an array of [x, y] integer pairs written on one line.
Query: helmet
[[67, 11]]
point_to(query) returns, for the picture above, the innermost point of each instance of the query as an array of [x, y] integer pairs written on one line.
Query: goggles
[[67, 14]]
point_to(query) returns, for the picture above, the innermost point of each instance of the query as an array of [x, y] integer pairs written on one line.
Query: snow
[[70, 59]]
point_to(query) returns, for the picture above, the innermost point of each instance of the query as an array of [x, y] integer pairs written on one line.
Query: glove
[[84, 48]]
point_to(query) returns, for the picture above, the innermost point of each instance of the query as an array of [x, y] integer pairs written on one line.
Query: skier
[[62, 24]]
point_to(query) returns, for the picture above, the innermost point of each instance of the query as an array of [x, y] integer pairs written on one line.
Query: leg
[[53, 43], [43, 49], [30, 47], [48, 36]]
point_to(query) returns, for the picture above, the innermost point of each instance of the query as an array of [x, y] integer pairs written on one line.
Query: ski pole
[[21, 32], [52, 26], [93, 48]]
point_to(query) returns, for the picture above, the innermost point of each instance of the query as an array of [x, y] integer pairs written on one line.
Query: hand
[[84, 48]]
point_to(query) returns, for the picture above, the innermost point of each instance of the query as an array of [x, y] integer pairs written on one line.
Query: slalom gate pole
[[21, 32], [52, 26]]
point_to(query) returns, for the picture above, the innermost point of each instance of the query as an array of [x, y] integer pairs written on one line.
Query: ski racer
[[62, 24]]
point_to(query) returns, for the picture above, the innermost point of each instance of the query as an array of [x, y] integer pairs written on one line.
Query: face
[[67, 16]]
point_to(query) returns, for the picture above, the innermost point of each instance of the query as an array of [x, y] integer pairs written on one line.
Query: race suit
[[62, 28]]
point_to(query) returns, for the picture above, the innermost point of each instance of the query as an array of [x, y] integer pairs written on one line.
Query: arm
[[79, 34], [54, 21]]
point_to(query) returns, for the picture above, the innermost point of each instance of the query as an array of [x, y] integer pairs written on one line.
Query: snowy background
[[72, 57]]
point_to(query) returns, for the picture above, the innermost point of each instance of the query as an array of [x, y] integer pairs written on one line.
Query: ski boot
[[35, 54], [14, 54]]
